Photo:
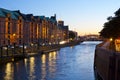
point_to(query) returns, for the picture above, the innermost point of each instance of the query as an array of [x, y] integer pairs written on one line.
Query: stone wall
[[107, 64]]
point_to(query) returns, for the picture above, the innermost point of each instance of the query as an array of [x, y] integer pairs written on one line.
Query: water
[[70, 63]]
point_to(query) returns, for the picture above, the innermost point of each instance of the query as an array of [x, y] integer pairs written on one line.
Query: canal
[[70, 63]]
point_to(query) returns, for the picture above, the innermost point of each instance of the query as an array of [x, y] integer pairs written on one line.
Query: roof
[[13, 14], [27, 17], [16, 14], [1, 13], [36, 17], [41, 17], [63, 27], [47, 18], [5, 12], [53, 19]]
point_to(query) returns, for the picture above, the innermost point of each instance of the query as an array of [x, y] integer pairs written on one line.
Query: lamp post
[[52, 37], [38, 43], [14, 41], [7, 49], [23, 49]]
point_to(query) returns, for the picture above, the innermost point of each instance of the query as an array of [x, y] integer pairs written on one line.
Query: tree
[[111, 29], [71, 34]]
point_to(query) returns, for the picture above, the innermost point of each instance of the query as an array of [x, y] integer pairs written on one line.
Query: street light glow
[[14, 34], [111, 39]]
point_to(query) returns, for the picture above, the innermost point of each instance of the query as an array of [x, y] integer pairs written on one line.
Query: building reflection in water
[[71, 47], [30, 67], [43, 67], [48, 65], [9, 72], [47, 68], [52, 63], [25, 61]]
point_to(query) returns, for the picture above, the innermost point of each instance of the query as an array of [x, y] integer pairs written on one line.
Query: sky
[[83, 16]]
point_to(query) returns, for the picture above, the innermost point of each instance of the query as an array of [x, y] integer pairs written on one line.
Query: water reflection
[[32, 70], [29, 66], [43, 67], [70, 63], [9, 72], [52, 63], [43, 58], [48, 65]]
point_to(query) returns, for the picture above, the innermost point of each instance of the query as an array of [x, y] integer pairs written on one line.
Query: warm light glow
[[14, 34], [25, 47], [37, 31], [32, 66], [5, 48], [117, 45], [50, 56], [43, 67], [12, 59], [71, 39], [31, 44], [9, 72], [8, 67], [32, 60], [111, 39], [54, 55], [25, 60], [52, 36], [44, 32], [52, 62], [62, 42], [43, 58]]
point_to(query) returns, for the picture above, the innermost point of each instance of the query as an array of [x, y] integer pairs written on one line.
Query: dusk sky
[[84, 16]]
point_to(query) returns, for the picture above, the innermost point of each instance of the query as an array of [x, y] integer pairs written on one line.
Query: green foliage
[[112, 27], [71, 35]]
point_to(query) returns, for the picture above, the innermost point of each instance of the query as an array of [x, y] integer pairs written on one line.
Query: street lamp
[[52, 38], [14, 41], [14, 35], [111, 39]]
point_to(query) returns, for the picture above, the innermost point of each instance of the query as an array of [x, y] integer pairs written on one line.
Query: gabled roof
[[29, 17], [5, 12], [16, 14], [36, 17], [13, 14], [47, 18], [41, 17], [1, 13]]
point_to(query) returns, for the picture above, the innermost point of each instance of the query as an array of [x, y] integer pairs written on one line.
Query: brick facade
[[19, 28]]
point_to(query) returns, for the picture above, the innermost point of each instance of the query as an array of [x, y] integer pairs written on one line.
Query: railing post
[[23, 49], [14, 48], [1, 51], [7, 49]]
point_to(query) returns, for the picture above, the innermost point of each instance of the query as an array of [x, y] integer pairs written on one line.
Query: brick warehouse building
[[19, 28]]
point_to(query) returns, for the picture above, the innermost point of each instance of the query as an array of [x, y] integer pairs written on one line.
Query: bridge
[[91, 38]]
